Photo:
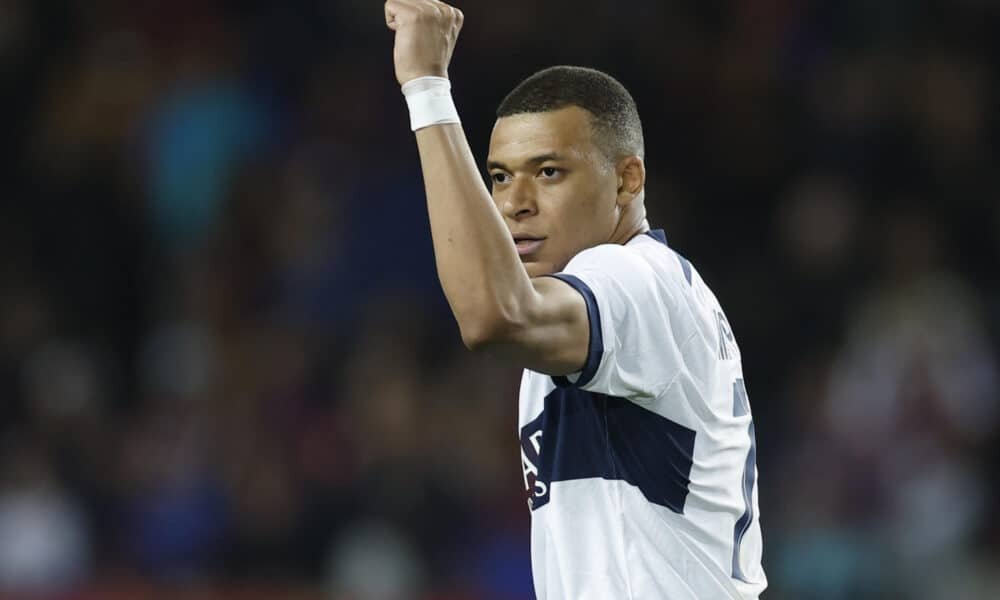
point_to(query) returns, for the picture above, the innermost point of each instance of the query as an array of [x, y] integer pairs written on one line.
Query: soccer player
[[637, 440]]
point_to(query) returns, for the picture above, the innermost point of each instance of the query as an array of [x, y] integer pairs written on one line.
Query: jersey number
[[741, 406]]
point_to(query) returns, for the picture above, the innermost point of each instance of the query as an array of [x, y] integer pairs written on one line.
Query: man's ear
[[631, 179]]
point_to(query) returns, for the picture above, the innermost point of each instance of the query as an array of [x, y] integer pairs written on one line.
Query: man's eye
[[550, 171], [500, 177]]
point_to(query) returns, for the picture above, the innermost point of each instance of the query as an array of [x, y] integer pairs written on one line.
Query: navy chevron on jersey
[[641, 468]]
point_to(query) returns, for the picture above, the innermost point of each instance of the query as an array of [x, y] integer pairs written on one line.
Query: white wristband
[[429, 101]]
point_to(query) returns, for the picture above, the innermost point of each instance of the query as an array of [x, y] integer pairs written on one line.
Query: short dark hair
[[616, 125]]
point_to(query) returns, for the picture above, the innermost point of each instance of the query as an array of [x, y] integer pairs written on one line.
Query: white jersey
[[641, 468]]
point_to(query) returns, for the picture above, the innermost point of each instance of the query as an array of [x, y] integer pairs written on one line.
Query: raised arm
[[539, 323]]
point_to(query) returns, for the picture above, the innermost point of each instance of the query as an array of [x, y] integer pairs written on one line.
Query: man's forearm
[[477, 263]]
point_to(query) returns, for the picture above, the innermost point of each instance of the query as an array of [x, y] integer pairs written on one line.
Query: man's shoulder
[[613, 257], [643, 259]]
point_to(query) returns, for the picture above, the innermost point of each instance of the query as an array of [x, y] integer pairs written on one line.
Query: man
[[636, 433]]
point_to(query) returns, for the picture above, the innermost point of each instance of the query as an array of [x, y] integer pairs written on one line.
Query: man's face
[[553, 186]]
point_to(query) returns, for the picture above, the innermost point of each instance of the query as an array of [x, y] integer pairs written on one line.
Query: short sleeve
[[636, 325]]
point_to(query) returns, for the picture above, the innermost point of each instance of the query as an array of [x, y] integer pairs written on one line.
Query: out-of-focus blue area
[[226, 364]]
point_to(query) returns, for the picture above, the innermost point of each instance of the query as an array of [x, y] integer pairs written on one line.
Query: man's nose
[[520, 201]]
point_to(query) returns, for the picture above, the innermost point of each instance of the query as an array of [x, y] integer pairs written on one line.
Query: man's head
[[566, 164]]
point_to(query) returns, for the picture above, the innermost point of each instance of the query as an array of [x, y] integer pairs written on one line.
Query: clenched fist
[[426, 32]]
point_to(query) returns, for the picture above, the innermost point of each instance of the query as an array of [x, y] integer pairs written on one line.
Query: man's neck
[[639, 229]]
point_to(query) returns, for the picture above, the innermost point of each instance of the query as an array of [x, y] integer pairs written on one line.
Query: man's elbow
[[482, 334], [486, 325]]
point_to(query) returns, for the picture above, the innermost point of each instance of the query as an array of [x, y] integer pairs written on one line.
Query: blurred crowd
[[227, 369]]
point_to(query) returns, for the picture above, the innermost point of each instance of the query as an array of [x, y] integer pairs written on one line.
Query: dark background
[[227, 369]]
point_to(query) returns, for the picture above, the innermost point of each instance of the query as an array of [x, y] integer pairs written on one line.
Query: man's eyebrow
[[534, 160]]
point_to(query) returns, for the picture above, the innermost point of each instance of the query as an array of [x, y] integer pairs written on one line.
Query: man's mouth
[[527, 244]]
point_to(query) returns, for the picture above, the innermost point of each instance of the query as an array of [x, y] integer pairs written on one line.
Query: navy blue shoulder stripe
[[595, 347], [685, 266], [660, 236]]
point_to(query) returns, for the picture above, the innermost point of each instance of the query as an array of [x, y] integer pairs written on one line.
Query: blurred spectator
[[45, 541], [371, 562]]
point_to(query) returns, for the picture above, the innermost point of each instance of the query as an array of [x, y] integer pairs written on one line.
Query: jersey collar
[[658, 235]]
